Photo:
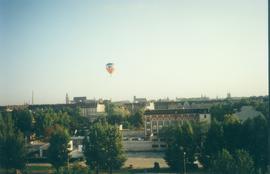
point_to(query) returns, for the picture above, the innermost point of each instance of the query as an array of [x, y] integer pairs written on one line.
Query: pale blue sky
[[181, 48]]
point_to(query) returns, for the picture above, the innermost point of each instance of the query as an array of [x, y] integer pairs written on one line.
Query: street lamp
[[184, 162], [184, 155]]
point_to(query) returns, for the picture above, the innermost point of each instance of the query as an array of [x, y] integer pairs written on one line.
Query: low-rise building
[[79, 99], [154, 120], [139, 100], [134, 107], [92, 110], [247, 112]]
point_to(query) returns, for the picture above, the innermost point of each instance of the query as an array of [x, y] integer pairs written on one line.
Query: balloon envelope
[[110, 67]]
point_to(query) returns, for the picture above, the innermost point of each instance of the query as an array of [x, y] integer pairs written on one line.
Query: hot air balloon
[[110, 67]]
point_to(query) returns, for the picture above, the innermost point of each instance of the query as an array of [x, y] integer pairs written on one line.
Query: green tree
[[180, 140], [12, 146], [116, 114], [77, 122], [219, 111], [254, 140], [103, 147], [136, 119], [44, 118], [214, 142], [223, 163], [243, 162], [232, 133], [58, 149], [23, 119], [63, 119]]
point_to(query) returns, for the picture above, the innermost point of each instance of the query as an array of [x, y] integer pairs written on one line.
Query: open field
[[141, 160]]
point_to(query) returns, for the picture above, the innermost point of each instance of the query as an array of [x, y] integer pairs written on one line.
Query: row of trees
[[240, 162], [41, 122], [102, 147], [248, 137], [218, 111], [12, 145], [102, 143]]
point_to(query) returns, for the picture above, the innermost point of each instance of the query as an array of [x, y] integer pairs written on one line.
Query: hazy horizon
[[160, 49]]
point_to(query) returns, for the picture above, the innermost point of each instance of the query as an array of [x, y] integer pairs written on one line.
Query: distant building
[[154, 120], [134, 107], [139, 100], [92, 110], [141, 104], [165, 105], [79, 99], [202, 98], [196, 104], [248, 112], [122, 102]]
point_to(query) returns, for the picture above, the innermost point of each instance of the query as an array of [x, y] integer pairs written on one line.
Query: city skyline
[[160, 49]]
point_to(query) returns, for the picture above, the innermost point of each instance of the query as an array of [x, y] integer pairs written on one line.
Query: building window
[[155, 145], [162, 139], [166, 123]]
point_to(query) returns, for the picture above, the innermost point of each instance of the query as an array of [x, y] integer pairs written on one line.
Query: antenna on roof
[[32, 97]]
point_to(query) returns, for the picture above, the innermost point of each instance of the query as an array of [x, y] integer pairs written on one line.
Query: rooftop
[[175, 111]]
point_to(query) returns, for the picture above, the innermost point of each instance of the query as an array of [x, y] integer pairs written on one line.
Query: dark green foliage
[[136, 119], [116, 114], [43, 119], [47, 118], [23, 119], [58, 152], [156, 167], [232, 133], [243, 162], [63, 119], [240, 162], [115, 119], [179, 139], [12, 146], [219, 111], [103, 147], [223, 163], [214, 142], [254, 138]]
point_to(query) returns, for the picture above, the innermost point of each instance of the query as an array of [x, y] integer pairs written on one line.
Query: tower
[[229, 95], [32, 97], [67, 98]]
